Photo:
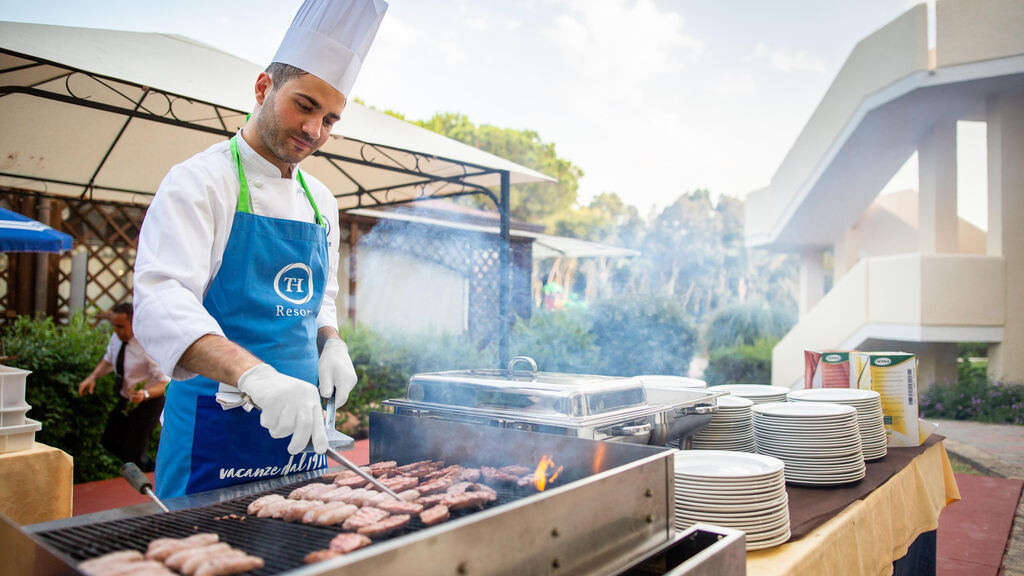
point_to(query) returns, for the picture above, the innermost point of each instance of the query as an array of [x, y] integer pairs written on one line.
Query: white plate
[[769, 544], [709, 505], [803, 410], [751, 390], [671, 381], [724, 464], [729, 402], [835, 395]]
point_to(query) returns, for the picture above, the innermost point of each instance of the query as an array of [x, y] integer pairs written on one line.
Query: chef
[[236, 272]]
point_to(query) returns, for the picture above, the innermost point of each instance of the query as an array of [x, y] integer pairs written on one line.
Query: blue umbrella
[[20, 233]]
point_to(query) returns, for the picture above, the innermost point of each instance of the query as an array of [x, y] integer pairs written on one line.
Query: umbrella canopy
[[22, 234]]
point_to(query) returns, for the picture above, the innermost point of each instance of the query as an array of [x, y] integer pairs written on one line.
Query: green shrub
[[974, 397], [745, 324], [559, 340], [384, 364], [59, 358], [649, 335], [741, 364]]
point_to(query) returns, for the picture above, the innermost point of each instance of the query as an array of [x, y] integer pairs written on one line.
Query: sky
[[650, 98]]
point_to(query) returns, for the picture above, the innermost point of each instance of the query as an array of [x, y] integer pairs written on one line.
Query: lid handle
[[512, 367]]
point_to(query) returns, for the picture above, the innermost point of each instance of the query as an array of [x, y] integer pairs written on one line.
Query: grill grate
[[282, 545]]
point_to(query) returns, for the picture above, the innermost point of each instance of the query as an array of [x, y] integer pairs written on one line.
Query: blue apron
[[265, 297]]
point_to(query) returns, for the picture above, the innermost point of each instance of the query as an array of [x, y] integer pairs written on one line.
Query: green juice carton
[[894, 376]]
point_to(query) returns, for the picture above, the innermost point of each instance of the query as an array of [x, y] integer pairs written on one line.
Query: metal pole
[[504, 273], [79, 274], [42, 259]]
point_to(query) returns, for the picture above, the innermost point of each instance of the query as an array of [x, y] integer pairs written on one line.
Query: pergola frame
[[430, 185]]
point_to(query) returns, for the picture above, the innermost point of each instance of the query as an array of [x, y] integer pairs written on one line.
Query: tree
[[536, 203]]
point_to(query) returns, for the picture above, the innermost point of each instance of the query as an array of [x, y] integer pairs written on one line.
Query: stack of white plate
[[733, 489], [664, 381], [818, 441], [757, 393], [869, 414], [731, 428]]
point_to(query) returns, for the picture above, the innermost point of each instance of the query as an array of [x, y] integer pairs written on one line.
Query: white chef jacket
[[138, 366], [182, 242]]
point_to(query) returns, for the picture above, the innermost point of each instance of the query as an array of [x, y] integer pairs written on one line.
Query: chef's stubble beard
[[273, 136]]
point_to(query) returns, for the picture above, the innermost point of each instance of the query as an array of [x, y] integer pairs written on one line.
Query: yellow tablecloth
[[866, 537], [36, 485]]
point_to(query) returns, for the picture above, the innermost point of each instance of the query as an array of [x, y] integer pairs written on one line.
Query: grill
[[610, 507], [283, 545]]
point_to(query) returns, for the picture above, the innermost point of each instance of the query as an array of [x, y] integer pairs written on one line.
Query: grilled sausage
[[161, 548], [229, 564], [177, 560]]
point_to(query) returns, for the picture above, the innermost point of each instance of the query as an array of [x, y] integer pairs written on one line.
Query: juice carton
[[827, 369], [894, 376]]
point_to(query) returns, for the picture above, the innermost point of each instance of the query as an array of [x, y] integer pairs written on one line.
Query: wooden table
[[36, 485], [867, 536]]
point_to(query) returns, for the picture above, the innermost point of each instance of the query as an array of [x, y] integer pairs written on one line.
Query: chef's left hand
[[336, 371]]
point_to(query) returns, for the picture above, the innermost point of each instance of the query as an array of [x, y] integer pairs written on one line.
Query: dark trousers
[[127, 435]]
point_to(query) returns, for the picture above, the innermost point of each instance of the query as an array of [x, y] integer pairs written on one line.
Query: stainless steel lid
[[527, 391]]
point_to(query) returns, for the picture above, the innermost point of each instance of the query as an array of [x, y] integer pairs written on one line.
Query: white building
[[923, 281]]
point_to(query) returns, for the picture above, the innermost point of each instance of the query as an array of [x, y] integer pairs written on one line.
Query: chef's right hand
[[289, 406], [87, 386]]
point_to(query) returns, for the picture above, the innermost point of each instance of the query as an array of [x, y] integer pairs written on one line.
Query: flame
[[540, 475], [599, 457]]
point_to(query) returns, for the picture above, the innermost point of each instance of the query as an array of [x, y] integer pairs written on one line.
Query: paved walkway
[[996, 450]]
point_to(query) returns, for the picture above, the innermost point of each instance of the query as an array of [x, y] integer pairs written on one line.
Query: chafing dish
[[585, 406]]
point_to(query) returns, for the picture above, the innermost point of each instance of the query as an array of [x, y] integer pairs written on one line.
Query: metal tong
[[140, 482], [336, 439]]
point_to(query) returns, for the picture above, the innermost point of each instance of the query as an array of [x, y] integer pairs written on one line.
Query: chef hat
[[330, 38]]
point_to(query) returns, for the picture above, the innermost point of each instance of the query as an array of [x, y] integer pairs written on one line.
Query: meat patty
[[400, 507], [467, 500], [380, 468], [409, 495], [497, 477], [347, 542], [434, 486], [321, 555], [401, 483], [353, 481], [430, 500], [364, 517], [434, 515], [386, 526]]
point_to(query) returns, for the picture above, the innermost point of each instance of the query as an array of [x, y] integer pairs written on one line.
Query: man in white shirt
[[140, 386], [236, 272]]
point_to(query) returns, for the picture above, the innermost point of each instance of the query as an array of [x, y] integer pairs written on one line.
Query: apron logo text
[[294, 284], [306, 463]]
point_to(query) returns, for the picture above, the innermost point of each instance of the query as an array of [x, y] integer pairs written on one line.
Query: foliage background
[[59, 358]]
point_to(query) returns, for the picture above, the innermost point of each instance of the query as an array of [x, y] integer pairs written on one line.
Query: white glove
[[336, 371], [290, 407]]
